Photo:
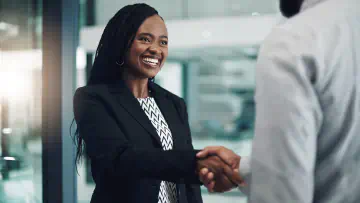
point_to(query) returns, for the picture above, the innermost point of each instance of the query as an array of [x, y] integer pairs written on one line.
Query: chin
[[150, 74]]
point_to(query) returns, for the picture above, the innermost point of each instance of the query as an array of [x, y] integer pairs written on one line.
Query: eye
[[145, 39], [164, 42]]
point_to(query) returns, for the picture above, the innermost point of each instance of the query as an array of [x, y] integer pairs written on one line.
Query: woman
[[136, 133]]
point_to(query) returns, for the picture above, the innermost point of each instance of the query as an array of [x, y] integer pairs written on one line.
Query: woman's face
[[149, 49]]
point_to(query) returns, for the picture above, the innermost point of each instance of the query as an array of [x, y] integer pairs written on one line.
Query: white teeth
[[151, 60]]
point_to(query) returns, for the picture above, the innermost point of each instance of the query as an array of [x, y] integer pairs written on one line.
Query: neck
[[138, 86]]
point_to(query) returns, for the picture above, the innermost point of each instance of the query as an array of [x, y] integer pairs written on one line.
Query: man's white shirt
[[307, 146]]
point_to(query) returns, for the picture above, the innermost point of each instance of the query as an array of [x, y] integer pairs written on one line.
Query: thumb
[[202, 154]]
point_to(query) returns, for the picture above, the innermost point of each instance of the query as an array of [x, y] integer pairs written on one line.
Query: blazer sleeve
[[193, 192], [113, 156]]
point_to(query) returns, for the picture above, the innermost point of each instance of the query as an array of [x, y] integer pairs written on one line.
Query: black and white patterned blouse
[[168, 192]]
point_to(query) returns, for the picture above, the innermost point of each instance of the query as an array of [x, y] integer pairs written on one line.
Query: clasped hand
[[218, 169]]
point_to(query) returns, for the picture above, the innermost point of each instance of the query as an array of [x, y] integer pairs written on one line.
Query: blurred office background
[[213, 46]]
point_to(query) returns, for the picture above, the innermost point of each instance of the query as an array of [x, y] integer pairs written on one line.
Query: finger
[[223, 184], [233, 176], [230, 158], [211, 150], [211, 186], [204, 171], [226, 155], [202, 154], [210, 176], [203, 175]]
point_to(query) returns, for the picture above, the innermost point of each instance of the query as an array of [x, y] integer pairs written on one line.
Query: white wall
[[170, 77], [202, 33], [105, 9], [181, 9]]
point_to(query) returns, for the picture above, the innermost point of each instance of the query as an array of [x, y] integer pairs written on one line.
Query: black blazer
[[127, 160]]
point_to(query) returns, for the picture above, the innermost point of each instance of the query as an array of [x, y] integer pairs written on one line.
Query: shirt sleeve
[[245, 173], [288, 118]]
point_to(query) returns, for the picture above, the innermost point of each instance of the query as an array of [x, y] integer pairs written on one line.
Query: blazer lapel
[[127, 100], [169, 112]]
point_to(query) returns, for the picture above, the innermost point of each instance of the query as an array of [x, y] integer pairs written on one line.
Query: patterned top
[[167, 193]]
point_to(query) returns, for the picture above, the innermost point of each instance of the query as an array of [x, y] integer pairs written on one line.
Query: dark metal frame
[[60, 41]]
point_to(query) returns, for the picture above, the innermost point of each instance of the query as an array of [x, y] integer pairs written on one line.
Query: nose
[[155, 50]]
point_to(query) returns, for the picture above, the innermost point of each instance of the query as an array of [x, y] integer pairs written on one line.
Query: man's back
[[337, 168], [327, 39]]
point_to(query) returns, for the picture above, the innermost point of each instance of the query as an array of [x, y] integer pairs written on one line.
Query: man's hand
[[216, 175], [231, 173], [227, 155]]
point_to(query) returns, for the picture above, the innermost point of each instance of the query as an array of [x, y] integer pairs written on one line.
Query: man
[[307, 133]]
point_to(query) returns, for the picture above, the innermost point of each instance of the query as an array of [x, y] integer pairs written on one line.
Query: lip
[[149, 63], [153, 57]]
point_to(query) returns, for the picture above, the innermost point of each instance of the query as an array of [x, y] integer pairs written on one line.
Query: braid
[[113, 26], [116, 39]]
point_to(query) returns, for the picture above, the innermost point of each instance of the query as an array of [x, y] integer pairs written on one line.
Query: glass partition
[[221, 107], [20, 101]]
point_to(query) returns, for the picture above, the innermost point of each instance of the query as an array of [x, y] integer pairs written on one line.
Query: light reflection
[[14, 85], [8, 158], [7, 131]]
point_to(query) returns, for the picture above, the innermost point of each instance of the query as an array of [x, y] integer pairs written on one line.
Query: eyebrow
[[151, 35]]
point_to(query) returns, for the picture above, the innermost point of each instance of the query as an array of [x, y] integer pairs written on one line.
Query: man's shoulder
[[319, 19], [315, 30], [302, 31]]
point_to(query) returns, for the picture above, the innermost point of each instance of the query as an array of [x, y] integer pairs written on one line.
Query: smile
[[151, 61]]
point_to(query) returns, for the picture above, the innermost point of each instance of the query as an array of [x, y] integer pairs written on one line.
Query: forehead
[[154, 25]]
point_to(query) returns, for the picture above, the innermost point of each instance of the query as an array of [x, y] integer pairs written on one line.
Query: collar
[[310, 3]]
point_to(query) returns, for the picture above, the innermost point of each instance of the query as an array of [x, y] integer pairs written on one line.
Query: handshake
[[218, 169]]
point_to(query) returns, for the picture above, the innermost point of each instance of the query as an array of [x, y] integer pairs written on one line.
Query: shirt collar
[[310, 3]]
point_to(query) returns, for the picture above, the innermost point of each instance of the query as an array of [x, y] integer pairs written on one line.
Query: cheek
[[133, 57], [136, 51], [165, 54]]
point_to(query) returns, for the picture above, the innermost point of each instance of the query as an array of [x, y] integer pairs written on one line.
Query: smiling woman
[[135, 132], [148, 51]]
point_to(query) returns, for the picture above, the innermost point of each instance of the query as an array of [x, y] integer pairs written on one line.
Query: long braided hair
[[115, 41]]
